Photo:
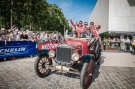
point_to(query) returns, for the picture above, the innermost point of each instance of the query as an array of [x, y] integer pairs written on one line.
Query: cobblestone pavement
[[19, 74]]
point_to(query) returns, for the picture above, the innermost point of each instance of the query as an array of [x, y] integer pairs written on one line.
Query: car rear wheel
[[41, 66], [86, 74]]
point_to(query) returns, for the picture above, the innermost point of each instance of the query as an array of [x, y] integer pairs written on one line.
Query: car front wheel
[[86, 74]]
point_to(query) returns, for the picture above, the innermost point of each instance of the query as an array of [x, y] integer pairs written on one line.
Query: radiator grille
[[64, 53]]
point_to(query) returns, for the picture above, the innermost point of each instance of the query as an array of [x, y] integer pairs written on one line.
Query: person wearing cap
[[133, 43], [22, 30], [2, 31]]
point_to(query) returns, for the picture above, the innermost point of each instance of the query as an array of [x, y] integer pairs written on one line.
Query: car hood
[[78, 43]]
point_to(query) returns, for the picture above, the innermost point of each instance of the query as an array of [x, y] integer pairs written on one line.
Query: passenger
[[85, 27], [84, 32], [94, 29], [73, 24], [79, 27]]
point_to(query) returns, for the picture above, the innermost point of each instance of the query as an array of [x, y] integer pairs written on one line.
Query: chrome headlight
[[51, 53], [75, 56]]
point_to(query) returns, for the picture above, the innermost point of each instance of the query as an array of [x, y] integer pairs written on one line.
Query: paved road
[[118, 58], [19, 74]]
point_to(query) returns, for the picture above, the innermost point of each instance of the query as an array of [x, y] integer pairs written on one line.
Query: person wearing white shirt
[[122, 43], [127, 43], [43, 37]]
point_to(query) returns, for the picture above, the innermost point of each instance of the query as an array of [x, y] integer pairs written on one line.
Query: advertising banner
[[17, 48], [48, 45]]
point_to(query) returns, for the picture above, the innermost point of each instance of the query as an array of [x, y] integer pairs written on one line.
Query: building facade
[[114, 16]]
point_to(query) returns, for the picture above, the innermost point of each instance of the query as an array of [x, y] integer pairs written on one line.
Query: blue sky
[[75, 9]]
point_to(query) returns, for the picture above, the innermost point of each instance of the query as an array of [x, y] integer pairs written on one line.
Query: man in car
[[90, 34], [85, 31], [78, 27], [94, 29]]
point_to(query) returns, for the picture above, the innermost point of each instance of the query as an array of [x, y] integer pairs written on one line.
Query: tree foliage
[[33, 15]]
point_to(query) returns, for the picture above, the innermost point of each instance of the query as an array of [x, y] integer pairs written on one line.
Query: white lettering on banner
[[1, 50], [55, 45], [7, 50], [16, 50], [42, 47], [49, 46], [11, 50], [22, 49], [19, 49]]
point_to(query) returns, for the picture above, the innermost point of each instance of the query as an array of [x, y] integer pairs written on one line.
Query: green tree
[[32, 14]]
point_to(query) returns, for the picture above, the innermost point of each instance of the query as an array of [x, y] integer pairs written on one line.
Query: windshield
[[83, 35]]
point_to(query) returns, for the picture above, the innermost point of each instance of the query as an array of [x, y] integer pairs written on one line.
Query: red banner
[[48, 45]]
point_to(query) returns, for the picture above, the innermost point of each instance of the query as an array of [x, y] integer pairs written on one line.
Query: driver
[[89, 33]]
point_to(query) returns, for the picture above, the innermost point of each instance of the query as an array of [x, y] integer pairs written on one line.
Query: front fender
[[87, 57], [42, 52]]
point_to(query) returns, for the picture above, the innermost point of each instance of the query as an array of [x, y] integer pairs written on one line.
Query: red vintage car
[[74, 55]]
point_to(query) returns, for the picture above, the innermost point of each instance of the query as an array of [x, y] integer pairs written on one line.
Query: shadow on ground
[[96, 73]]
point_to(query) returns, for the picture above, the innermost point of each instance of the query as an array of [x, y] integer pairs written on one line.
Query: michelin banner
[[17, 48]]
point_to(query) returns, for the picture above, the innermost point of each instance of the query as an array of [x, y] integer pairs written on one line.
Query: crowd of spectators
[[14, 34], [124, 44]]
